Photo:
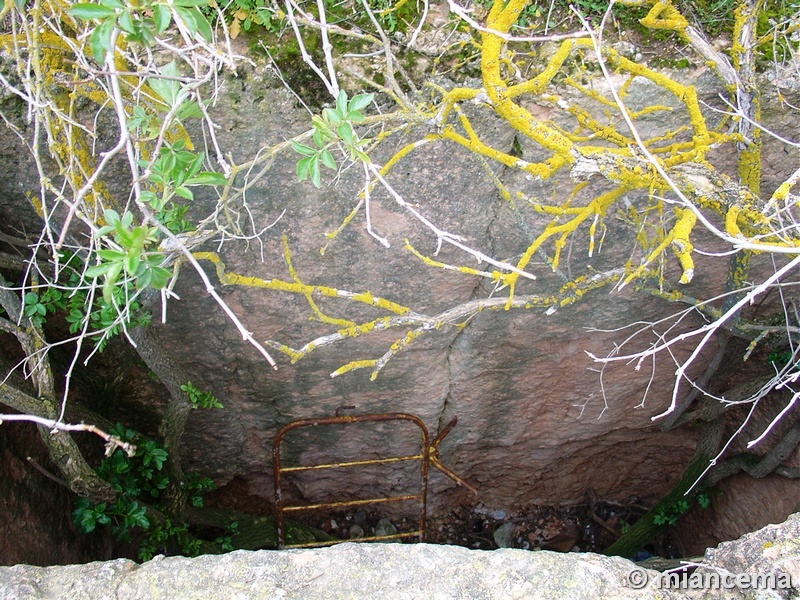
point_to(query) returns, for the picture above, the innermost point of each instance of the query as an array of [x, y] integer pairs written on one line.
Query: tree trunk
[[645, 529]]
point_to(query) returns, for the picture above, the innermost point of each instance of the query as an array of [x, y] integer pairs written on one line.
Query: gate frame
[[428, 455]]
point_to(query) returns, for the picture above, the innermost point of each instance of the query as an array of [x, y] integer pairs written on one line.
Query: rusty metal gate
[[428, 455]]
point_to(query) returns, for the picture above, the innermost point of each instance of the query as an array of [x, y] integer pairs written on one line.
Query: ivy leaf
[[87, 11], [314, 171], [132, 262], [159, 277], [319, 138], [111, 255], [345, 131], [112, 275], [203, 28], [194, 164], [188, 18], [184, 192], [304, 167], [167, 89], [152, 199], [126, 22], [188, 110], [356, 154], [354, 117], [332, 116], [93, 272]]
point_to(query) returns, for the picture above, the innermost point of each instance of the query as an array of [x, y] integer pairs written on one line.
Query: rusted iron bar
[[372, 538], [354, 463], [429, 454], [349, 503]]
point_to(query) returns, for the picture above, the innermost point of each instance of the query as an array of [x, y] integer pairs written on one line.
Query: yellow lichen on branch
[[663, 15], [681, 244], [356, 364], [494, 275], [227, 278]]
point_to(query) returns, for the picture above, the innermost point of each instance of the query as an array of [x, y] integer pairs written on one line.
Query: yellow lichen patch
[[681, 244], [494, 275], [665, 16], [356, 364], [537, 84], [293, 355], [750, 166], [731, 224], [308, 295], [475, 145], [654, 254], [358, 330], [576, 289], [500, 19], [36, 203], [406, 339], [597, 206], [227, 278], [604, 132]]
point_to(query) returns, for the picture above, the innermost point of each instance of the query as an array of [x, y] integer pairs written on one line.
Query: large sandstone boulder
[[536, 423]]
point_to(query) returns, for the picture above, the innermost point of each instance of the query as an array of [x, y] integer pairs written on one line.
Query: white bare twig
[[441, 235], [112, 441]]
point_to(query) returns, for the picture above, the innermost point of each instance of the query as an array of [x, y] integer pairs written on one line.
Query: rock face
[[412, 571], [535, 424], [36, 527]]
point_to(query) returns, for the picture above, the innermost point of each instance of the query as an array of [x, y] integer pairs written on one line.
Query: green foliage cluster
[[132, 250], [69, 296], [200, 399], [139, 22], [140, 480], [671, 514], [333, 129], [243, 15], [132, 258], [772, 20]]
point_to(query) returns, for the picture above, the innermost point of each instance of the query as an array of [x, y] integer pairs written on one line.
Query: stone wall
[[397, 571]]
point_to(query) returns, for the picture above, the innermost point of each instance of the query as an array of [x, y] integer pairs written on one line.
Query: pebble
[[504, 535], [385, 527], [356, 531]]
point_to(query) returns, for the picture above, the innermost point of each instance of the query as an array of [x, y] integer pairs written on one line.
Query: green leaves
[[36, 306], [141, 266], [87, 516], [87, 11], [168, 86], [175, 170], [200, 399], [334, 128], [139, 22], [138, 480]]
